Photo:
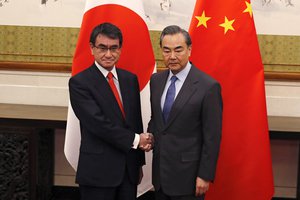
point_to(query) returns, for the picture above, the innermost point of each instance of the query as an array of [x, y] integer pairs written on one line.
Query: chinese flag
[[137, 57], [225, 46]]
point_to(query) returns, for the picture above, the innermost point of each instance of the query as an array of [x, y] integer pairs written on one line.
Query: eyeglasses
[[104, 49]]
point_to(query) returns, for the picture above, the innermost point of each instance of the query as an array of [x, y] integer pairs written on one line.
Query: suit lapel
[[158, 94], [103, 89], [124, 90], [187, 90]]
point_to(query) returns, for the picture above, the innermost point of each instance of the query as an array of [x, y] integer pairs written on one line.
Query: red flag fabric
[[137, 57], [225, 46]]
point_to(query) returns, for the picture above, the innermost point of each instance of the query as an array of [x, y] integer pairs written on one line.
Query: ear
[[91, 48], [190, 50]]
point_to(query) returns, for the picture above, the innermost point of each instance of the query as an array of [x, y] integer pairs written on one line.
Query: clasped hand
[[146, 141]]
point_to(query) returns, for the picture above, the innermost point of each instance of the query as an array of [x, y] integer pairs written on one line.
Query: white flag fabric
[[137, 57]]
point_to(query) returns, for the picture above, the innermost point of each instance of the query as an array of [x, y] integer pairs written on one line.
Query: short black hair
[[174, 29], [106, 29]]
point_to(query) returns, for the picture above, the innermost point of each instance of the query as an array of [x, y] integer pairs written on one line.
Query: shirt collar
[[181, 76], [105, 72]]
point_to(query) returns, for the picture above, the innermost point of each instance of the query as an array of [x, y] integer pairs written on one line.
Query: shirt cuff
[[136, 141]]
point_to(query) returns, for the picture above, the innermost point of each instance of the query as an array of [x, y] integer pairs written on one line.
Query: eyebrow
[[176, 48], [103, 45]]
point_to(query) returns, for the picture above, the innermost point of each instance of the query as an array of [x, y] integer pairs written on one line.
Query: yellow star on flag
[[227, 25], [202, 20], [248, 9]]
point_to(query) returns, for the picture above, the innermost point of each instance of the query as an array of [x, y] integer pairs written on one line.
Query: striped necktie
[[170, 96], [114, 89]]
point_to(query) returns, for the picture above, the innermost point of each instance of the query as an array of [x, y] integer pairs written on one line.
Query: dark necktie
[[169, 98], [114, 89]]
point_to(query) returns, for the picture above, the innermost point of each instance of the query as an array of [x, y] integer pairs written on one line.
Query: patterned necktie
[[169, 98], [113, 87]]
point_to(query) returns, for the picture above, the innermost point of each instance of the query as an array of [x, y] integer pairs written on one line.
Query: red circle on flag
[[137, 53]]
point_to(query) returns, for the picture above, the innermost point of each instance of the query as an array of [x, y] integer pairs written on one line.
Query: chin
[[174, 67]]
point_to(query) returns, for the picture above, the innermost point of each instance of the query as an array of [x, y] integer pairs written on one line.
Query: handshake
[[146, 141]]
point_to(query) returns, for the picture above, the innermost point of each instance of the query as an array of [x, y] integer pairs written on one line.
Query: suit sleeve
[[150, 128], [139, 121], [93, 119], [212, 128]]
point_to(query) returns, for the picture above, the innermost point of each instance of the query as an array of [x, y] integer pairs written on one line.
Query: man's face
[[175, 52], [106, 51]]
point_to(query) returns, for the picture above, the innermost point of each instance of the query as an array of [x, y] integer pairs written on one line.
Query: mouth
[[108, 61]]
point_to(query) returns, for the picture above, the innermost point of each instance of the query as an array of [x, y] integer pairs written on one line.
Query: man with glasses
[[186, 122], [106, 100]]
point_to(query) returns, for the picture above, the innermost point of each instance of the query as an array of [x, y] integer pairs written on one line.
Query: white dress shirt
[[181, 76]]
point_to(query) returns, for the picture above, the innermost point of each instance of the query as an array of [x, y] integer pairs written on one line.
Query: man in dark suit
[[106, 101], [186, 121]]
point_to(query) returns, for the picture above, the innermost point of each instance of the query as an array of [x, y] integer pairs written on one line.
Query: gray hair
[[174, 29]]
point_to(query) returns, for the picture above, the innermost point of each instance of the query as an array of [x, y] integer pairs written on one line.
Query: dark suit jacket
[[106, 138], [187, 145]]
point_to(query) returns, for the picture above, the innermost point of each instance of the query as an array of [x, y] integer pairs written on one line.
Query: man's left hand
[[201, 186]]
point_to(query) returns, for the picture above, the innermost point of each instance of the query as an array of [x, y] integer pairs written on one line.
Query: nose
[[173, 55], [108, 53]]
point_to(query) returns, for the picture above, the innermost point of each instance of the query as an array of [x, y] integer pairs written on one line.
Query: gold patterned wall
[[280, 53], [37, 44], [52, 45]]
